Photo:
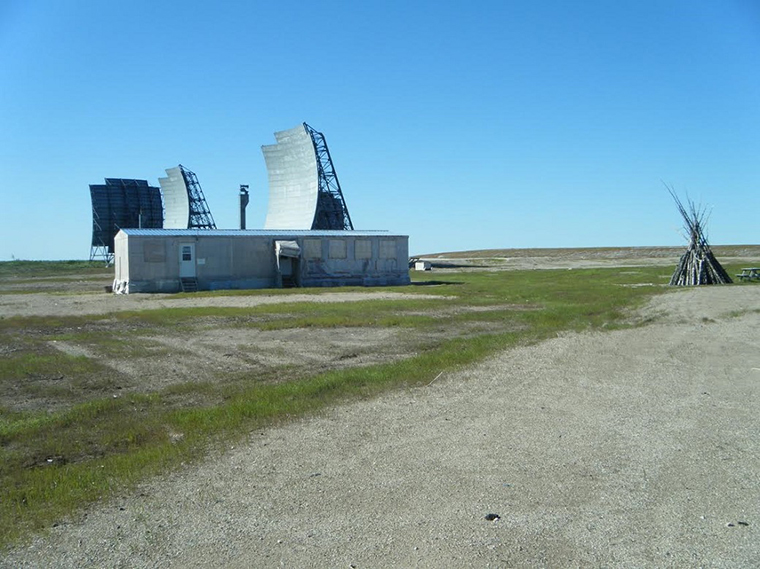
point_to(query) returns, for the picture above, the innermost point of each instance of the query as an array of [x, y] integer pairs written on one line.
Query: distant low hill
[[595, 252]]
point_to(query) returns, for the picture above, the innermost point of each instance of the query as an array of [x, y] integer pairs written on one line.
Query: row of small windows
[[155, 251], [338, 249]]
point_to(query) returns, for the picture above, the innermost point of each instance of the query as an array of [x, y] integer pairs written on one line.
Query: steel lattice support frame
[[331, 212], [98, 249], [101, 253], [200, 214]]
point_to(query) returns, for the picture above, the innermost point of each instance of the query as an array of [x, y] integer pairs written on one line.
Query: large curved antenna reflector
[[304, 192], [186, 207], [293, 185], [121, 203]]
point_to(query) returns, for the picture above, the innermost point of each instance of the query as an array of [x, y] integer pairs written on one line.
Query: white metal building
[[172, 260]]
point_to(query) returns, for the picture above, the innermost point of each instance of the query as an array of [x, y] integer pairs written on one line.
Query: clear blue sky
[[465, 124]]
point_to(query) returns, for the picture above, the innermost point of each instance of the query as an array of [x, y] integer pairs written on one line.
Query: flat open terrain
[[589, 258], [630, 447]]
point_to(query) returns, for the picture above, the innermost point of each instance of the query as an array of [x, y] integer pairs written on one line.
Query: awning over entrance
[[287, 249]]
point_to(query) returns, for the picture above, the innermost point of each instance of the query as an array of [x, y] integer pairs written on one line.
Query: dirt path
[[635, 448]]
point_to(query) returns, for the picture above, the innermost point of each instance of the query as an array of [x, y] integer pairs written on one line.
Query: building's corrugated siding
[[247, 259]]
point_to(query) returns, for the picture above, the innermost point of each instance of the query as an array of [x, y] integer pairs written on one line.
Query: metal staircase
[[189, 284]]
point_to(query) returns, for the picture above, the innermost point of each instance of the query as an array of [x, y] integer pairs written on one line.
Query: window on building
[[337, 249], [363, 249], [187, 253], [387, 249], [312, 249], [154, 252]]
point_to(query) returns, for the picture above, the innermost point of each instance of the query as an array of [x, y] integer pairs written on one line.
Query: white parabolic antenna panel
[[176, 199], [293, 180]]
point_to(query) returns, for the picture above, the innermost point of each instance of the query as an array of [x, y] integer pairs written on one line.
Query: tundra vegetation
[[92, 404]]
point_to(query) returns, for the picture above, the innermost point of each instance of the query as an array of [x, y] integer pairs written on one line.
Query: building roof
[[254, 233]]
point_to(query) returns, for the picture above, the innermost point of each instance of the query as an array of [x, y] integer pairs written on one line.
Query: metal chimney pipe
[[243, 204]]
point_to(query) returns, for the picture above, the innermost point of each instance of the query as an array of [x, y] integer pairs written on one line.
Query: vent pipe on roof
[[243, 204]]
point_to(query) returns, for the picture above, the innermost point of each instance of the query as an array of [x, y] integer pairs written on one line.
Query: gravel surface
[[634, 448], [43, 304]]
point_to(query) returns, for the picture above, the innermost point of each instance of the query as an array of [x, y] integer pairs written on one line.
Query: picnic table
[[749, 274]]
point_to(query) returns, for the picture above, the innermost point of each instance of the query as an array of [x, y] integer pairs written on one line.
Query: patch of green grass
[[740, 313], [46, 323], [14, 422], [50, 268], [54, 489], [24, 365], [312, 291], [734, 270], [53, 463]]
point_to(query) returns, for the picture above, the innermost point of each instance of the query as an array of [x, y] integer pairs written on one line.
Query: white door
[[186, 260]]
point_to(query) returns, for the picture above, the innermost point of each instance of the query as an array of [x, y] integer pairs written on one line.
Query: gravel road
[[634, 448]]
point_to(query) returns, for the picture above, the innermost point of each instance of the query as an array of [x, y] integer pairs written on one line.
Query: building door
[[286, 268], [186, 260], [286, 254]]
